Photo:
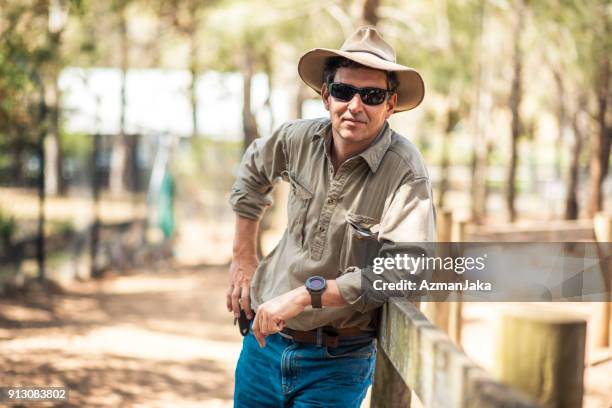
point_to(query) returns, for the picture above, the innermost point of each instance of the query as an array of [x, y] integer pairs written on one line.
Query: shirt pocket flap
[[299, 189], [363, 226]]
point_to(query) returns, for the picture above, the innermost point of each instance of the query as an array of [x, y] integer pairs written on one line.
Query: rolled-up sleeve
[[261, 164], [407, 226]]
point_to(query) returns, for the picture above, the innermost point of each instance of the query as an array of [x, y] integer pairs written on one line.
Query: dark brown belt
[[324, 336]]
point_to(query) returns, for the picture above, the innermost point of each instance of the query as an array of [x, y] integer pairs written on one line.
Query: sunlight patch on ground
[[22, 314], [130, 341], [148, 284]]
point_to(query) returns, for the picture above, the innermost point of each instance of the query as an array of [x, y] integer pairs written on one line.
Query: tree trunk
[[600, 142], [443, 170], [194, 69], [53, 146], [369, 15], [451, 120], [561, 119], [479, 189], [249, 123], [17, 156], [271, 215], [297, 108], [571, 199], [269, 70], [40, 239], [480, 145], [119, 155], [515, 102]]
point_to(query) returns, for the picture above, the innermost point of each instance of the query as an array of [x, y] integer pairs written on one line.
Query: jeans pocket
[[352, 364], [356, 351]]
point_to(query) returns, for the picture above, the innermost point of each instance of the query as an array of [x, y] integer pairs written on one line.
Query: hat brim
[[411, 89]]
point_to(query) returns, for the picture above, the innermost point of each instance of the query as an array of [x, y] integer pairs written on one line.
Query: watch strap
[[315, 299]]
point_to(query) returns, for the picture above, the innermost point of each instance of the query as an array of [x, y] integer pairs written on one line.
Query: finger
[[278, 326], [235, 301], [275, 327], [228, 298], [265, 324], [246, 300], [261, 340], [270, 327], [257, 333]]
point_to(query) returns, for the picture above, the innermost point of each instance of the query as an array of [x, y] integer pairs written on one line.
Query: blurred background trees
[[515, 125]]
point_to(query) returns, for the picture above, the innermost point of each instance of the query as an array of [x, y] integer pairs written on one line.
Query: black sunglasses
[[369, 96]]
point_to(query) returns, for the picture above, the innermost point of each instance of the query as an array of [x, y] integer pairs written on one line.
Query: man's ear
[[391, 104], [325, 96]]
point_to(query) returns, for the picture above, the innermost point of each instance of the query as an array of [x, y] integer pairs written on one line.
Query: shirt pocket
[[299, 200], [360, 245]]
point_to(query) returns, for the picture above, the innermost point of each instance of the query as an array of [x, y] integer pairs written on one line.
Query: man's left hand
[[272, 315]]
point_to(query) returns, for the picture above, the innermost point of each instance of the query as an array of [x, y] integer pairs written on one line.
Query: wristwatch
[[316, 285]]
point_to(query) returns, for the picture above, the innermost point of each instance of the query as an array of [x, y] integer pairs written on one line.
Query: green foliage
[[264, 27], [64, 227], [577, 35], [8, 228], [444, 40], [77, 145]]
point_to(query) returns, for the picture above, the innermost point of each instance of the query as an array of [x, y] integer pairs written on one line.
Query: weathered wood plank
[[434, 367]]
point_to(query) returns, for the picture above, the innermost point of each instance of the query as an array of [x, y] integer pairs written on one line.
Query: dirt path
[[157, 339]]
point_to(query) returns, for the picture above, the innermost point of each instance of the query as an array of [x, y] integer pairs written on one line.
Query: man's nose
[[356, 104]]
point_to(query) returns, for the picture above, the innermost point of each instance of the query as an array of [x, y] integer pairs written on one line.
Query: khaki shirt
[[384, 190]]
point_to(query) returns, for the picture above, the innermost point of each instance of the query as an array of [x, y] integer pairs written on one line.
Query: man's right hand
[[242, 269], [243, 266]]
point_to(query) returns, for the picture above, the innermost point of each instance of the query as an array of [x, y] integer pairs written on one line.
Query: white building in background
[[158, 101]]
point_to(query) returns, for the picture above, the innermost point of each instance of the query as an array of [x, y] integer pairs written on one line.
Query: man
[[356, 188]]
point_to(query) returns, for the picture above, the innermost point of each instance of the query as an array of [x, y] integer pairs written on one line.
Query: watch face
[[316, 283]]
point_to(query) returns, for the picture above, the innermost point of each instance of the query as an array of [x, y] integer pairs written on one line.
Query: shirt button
[[331, 201], [322, 228]]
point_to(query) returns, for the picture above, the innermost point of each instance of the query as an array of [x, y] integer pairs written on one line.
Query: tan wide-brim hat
[[366, 47]]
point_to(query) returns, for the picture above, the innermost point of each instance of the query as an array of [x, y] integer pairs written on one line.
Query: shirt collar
[[375, 152], [372, 155], [322, 130]]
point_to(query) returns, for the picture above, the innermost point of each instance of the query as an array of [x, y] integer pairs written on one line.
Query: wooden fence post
[[447, 315], [439, 312], [455, 322], [541, 353], [601, 332], [389, 389]]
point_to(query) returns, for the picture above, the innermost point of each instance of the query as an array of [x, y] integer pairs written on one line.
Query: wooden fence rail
[[415, 355]]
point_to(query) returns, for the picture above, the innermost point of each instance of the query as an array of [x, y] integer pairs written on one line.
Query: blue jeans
[[291, 374]]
